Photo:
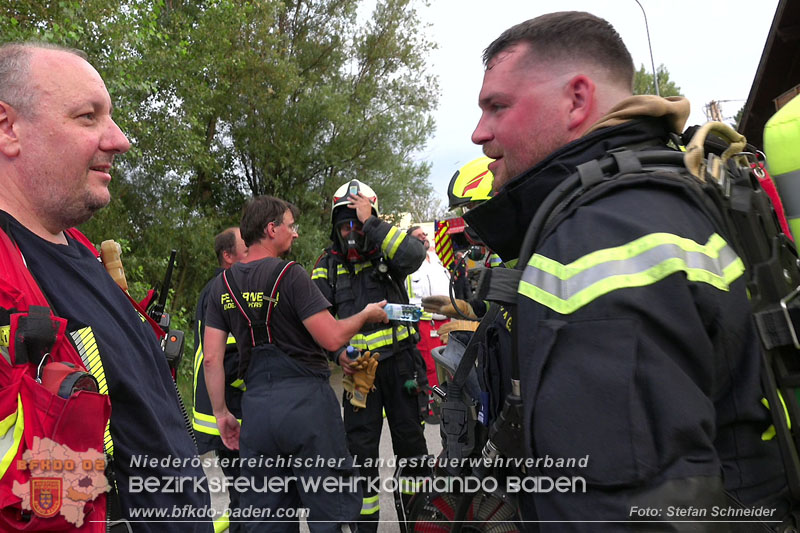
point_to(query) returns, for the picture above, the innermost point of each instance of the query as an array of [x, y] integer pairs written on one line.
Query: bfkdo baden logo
[[46, 495], [61, 480]]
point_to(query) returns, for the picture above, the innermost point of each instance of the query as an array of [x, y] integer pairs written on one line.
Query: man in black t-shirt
[[57, 146], [291, 420]]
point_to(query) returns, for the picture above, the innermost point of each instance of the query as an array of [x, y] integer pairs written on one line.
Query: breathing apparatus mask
[[352, 240], [353, 245]]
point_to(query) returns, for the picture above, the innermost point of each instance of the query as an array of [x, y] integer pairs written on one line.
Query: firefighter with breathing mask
[[369, 260]]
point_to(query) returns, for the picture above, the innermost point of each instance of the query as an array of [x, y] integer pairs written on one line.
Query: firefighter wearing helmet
[[368, 261], [471, 184], [486, 386]]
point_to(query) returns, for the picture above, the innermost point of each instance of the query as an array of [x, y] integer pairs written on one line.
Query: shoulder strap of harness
[[259, 330], [333, 272], [742, 212], [591, 180]]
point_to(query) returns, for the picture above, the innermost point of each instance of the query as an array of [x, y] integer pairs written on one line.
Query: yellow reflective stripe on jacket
[[377, 339], [409, 486], [11, 429], [223, 523], [647, 260], [769, 434], [409, 287], [5, 335], [392, 242], [198, 361], [90, 355], [341, 270], [206, 423], [370, 504]]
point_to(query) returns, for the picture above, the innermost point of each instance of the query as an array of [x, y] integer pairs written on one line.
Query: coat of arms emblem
[[46, 496]]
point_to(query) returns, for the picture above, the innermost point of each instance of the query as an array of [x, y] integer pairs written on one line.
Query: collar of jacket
[[502, 221]]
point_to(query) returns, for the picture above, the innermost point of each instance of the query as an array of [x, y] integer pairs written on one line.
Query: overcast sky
[[711, 49]]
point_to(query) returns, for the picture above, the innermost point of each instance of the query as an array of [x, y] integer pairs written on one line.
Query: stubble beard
[[65, 209], [542, 147]]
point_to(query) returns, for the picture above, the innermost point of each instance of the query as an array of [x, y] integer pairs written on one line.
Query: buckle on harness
[[785, 307], [457, 427]]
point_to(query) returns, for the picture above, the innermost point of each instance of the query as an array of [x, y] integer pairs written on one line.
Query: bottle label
[[403, 312]]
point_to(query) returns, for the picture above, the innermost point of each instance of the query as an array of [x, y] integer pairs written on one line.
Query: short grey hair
[[15, 62]]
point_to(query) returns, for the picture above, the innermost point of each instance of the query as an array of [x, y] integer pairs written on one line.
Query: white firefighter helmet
[[342, 195]]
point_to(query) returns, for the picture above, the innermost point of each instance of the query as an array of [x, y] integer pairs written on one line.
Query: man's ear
[[226, 256], [9, 143], [580, 91]]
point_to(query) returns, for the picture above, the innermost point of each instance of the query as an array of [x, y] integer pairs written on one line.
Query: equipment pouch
[[35, 334], [43, 426]]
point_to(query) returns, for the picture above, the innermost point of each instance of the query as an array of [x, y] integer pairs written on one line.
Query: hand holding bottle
[[375, 312]]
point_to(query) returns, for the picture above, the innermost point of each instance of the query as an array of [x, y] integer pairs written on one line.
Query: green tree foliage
[[434, 210], [225, 99], [643, 82]]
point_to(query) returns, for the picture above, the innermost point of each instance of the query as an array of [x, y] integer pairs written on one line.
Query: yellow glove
[[347, 384], [366, 365], [443, 306], [456, 325]]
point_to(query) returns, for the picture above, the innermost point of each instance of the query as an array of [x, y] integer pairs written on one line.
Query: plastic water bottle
[[403, 312], [353, 353]]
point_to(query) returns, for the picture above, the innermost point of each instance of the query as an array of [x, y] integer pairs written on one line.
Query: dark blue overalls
[[292, 428], [292, 442]]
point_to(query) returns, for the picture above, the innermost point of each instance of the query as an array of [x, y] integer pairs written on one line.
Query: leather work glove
[[442, 305], [456, 325], [365, 365], [348, 385]]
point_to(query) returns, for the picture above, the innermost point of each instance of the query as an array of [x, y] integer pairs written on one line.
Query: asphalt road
[[388, 513]]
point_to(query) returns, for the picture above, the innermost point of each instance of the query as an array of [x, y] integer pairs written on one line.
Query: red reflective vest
[[28, 411]]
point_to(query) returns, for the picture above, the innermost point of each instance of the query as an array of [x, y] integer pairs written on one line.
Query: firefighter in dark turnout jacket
[[637, 346], [229, 249], [368, 261]]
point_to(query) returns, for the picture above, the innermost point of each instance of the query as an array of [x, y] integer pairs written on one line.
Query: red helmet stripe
[[475, 182]]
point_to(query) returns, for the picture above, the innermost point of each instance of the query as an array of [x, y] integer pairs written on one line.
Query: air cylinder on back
[[782, 148]]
